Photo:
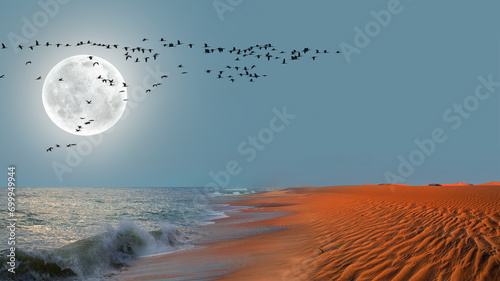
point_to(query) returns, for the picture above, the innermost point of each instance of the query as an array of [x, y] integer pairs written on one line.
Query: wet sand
[[369, 232]]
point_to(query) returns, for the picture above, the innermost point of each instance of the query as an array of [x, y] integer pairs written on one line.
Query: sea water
[[81, 233]]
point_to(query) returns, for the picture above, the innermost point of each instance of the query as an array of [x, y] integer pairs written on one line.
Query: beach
[[367, 232]]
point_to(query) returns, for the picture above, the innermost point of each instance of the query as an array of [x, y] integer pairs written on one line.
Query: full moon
[[84, 95]]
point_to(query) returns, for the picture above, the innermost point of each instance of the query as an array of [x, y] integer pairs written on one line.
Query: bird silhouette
[[28, 62], [49, 149], [3, 46], [2, 76], [148, 91], [156, 85], [163, 76], [95, 63], [87, 123], [60, 79], [88, 101], [39, 77], [90, 57], [58, 145]]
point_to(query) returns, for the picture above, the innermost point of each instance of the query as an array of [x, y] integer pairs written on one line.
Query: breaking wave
[[95, 258]]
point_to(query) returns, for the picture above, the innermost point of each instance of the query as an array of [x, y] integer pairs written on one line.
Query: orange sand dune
[[491, 183], [350, 233], [453, 184]]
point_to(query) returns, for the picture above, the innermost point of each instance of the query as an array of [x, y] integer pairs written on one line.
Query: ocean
[[81, 233]]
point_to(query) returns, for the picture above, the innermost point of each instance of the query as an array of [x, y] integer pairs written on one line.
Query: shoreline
[[368, 232]]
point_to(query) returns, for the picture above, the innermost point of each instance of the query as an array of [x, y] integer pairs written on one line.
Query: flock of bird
[[232, 72]]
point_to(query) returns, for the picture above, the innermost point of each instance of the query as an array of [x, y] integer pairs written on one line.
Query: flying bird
[[3, 46], [60, 79], [95, 63], [90, 57], [39, 77], [28, 62], [148, 90], [163, 76], [88, 101], [49, 149]]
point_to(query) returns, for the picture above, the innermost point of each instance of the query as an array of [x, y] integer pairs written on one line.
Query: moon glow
[[84, 80]]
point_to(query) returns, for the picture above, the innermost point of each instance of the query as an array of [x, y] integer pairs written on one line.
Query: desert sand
[[369, 232]]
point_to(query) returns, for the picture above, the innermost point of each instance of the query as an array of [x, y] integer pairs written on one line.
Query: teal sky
[[353, 118]]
